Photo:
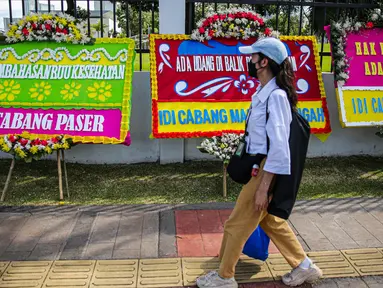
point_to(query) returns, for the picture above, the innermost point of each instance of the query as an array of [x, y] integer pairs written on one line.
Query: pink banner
[[95, 123], [366, 52]]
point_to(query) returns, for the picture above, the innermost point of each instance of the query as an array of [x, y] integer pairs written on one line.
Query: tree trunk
[[224, 180]]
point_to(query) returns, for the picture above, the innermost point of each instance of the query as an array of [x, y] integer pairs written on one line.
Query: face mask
[[252, 69]]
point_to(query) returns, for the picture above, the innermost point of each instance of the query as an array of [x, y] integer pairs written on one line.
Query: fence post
[[172, 21]]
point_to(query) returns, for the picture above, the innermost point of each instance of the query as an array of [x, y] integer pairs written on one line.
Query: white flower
[[374, 17]]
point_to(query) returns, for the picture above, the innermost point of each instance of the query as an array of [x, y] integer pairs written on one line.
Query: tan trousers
[[242, 223]]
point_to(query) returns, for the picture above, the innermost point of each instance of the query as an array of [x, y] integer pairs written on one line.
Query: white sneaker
[[212, 279], [299, 275], [202, 280]]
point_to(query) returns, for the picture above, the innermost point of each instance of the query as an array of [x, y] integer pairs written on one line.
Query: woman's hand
[[261, 197]]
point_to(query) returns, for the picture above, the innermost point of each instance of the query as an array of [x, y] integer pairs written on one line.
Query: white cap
[[270, 47]]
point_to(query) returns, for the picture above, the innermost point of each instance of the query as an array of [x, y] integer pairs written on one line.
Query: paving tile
[[333, 264], [251, 270], [190, 248], [212, 243], [14, 255], [365, 261], [99, 251], [45, 252], [277, 266], [310, 233], [195, 267], [3, 267], [373, 281], [356, 231], [247, 270], [160, 273], [70, 274], [126, 254], [25, 274], [23, 243], [334, 232], [115, 273], [72, 254], [167, 237], [350, 283], [149, 249]]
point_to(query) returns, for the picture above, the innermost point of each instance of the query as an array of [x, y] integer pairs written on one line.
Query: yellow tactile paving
[[195, 267], [277, 266], [249, 270], [3, 266], [333, 264], [115, 273], [70, 274], [160, 273], [25, 274], [367, 262], [176, 272]]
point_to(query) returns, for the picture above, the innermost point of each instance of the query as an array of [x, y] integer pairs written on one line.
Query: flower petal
[[34, 95], [92, 89], [66, 86], [47, 92], [17, 92], [3, 96], [244, 91], [78, 86], [96, 85], [63, 92], [251, 84], [102, 98], [75, 93], [242, 77], [236, 83], [11, 97], [17, 86], [108, 94], [92, 95], [102, 84], [41, 97], [32, 90], [108, 87]]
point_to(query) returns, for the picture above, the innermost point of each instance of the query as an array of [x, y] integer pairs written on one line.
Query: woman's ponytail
[[285, 79]]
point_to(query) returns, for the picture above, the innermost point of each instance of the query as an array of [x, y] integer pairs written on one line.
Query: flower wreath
[[24, 148], [339, 31], [49, 27], [232, 23]]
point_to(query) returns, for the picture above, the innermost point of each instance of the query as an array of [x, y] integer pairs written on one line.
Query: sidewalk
[[168, 231]]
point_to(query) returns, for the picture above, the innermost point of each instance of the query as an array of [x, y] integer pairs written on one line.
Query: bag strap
[[267, 118]]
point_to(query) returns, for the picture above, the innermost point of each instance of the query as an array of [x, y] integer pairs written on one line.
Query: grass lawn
[[191, 182], [326, 65]]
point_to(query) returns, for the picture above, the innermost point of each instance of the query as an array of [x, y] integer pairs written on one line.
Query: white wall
[[343, 142]]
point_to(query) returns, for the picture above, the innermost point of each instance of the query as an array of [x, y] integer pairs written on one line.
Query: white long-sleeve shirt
[[277, 127]]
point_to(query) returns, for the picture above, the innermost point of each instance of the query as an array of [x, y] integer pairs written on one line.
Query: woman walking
[[267, 136]]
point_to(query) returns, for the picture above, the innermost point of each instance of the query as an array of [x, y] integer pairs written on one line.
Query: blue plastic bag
[[257, 246]]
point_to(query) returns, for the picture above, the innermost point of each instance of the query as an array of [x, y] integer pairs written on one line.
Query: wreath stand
[[60, 157]]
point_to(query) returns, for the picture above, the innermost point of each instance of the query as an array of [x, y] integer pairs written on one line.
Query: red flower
[[54, 140], [58, 30], [65, 31], [23, 141], [268, 31], [210, 19], [211, 33], [12, 139], [34, 26], [205, 23], [25, 32], [370, 25], [48, 27], [223, 16], [201, 30], [44, 142], [215, 17], [231, 15]]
